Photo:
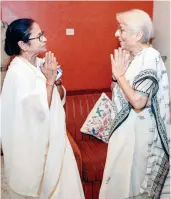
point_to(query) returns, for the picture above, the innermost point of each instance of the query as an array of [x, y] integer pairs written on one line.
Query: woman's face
[[126, 38], [36, 44]]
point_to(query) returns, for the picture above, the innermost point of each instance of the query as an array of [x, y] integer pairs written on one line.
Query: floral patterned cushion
[[99, 119]]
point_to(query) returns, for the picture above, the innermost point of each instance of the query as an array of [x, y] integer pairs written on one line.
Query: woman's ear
[[139, 36], [23, 46]]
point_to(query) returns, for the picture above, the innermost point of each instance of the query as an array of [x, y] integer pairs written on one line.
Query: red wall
[[84, 56]]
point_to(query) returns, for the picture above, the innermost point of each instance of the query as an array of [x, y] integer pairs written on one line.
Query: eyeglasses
[[40, 37], [121, 30]]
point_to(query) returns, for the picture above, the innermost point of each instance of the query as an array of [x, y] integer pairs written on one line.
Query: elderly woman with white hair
[[137, 164]]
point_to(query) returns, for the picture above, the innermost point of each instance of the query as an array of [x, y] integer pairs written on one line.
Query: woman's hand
[[50, 68], [120, 62]]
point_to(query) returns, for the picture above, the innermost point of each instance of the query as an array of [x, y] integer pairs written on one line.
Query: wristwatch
[[114, 80], [58, 82]]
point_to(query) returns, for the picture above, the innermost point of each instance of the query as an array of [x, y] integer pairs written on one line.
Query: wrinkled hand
[[120, 61], [50, 68]]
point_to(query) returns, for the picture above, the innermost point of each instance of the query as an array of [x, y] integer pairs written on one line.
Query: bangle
[[114, 80], [50, 84], [120, 77]]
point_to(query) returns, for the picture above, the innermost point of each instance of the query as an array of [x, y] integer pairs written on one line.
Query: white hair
[[137, 20]]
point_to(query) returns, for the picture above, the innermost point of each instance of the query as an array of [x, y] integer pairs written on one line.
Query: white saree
[[38, 159], [137, 162]]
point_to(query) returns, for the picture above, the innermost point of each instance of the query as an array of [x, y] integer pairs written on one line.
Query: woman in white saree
[[38, 159], [137, 164]]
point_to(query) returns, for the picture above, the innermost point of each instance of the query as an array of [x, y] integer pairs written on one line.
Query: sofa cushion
[[93, 153], [98, 122]]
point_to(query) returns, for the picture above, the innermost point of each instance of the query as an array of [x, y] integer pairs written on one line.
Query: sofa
[[90, 152]]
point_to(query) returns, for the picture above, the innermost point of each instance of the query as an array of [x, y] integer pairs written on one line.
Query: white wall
[[161, 20]]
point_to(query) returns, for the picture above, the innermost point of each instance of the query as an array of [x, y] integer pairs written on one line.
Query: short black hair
[[18, 30]]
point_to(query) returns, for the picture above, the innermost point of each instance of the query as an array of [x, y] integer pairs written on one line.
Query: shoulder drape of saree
[[158, 159]]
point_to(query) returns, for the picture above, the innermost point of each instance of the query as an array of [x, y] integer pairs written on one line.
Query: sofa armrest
[[77, 153]]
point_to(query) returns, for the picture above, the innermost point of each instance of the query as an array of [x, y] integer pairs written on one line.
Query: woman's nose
[[117, 33], [44, 39]]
